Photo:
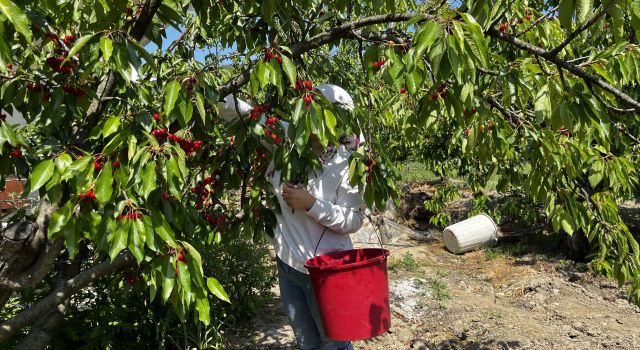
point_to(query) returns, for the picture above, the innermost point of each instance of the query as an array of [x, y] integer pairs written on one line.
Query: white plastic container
[[470, 234]]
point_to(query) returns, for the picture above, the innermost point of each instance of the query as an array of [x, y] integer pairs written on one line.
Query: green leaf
[[118, 240], [41, 174], [149, 180], [184, 277], [136, 241], [80, 43], [104, 185], [216, 288], [106, 46], [425, 38], [7, 133], [171, 93], [584, 10], [330, 120], [123, 62], [145, 54], [63, 161], [202, 305], [163, 229], [268, 9], [110, 126], [566, 226], [617, 18], [17, 17], [297, 112], [169, 280], [133, 145], [475, 40], [565, 13], [542, 104], [77, 166], [262, 73], [289, 69], [193, 256], [186, 111], [200, 106], [71, 237], [60, 218]]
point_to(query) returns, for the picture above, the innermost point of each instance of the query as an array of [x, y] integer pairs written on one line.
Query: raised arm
[[228, 109], [346, 215]]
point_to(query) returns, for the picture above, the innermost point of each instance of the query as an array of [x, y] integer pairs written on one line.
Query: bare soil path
[[481, 300]]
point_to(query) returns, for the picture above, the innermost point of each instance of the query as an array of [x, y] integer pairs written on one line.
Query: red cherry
[[308, 99], [376, 64], [16, 153], [279, 58], [503, 27], [403, 90], [9, 66], [177, 271], [97, 165], [165, 196], [382, 62], [69, 39], [308, 85], [116, 164], [527, 18], [156, 116], [299, 84], [181, 257]]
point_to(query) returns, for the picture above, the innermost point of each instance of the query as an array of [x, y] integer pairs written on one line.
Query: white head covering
[[334, 93]]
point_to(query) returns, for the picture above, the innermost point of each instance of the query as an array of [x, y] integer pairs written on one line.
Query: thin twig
[[608, 106], [536, 22], [583, 27], [572, 68], [544, 70]]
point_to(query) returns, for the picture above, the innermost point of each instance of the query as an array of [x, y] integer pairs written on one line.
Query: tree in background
[[138, 173]]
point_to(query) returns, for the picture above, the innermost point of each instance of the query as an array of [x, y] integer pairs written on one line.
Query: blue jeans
[[300, 305]]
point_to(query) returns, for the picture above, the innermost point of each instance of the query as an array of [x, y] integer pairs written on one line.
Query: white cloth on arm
[[228, 108]]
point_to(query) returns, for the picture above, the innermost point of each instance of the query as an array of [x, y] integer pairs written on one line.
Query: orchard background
[[147, 193]]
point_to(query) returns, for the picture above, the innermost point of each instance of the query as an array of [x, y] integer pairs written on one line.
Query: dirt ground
[[476, 301], [515, 296]]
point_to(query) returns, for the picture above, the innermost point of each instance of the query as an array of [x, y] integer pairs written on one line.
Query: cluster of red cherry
[[257, 111], [88, 196], [73, 90], [130, 215]]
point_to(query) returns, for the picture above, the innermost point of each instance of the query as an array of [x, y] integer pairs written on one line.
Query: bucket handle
[[377, 230]]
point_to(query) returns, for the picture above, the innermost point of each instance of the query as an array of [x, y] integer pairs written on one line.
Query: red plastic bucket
[[352, 289]]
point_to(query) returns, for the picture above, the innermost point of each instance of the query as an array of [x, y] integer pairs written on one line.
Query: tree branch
[[44, 328], [316, 41], [36, 271], [511, 117], [62, 293], [582, 28], [564, 64], [107, 85]]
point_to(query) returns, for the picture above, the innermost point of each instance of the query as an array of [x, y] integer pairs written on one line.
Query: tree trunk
[[576, 246], [43, 330]]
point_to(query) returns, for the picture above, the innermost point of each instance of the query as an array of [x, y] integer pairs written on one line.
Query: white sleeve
[[227, 108], [344, 217]]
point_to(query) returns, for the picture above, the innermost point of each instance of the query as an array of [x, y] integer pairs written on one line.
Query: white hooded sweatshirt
[[338, 209]]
